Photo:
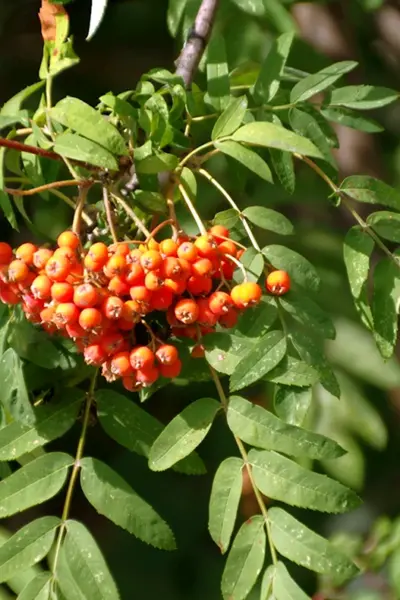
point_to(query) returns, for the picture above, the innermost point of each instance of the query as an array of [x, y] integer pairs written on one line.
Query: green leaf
[[268, 219], [284, 587], [114, 498], [176, 10], [27, 546], [253, 262], [135, 429], [65, 580], [307, 125], [268, 80], [282, 479], [14, 397], [252, 7], [269, 135], [155, 163], [87, 565], [257, 321], [371, 191], [266, 583], [21, 117], [245, 560], [183, 434], [351, 118], [385, 305], [279, 16], [51, 422], [224, 351], [231, 119], [386, 224], [13, 105], [303, 546], [86, 121], [218, 85], [362, 97], [36, 482], [266, 354], [309, 314], [293, 372], [357, 250], [150, 202], [317, 82], [76, 147], [250, 159], [312, 353], [5, 203], [292, 404], [224, 501], [258, 427], [299, 268], [37, 588], [97, 12]]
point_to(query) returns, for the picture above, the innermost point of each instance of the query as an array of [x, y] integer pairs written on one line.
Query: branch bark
[[189, 58]]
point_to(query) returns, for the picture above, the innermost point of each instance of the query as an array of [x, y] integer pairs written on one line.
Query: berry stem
[[44, 188], [109, 215], [169, 198], [238, 264], [242, 450], [76, 223], [131, 213], [194, 152], [192, 209], [223, 191], [158, 228], [75, 471]]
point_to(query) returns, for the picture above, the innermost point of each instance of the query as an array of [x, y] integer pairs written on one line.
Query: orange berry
[[94, 355], [187, 311], [278, 283], [58, 268], [116, 265], [246, 294], [153, 244], [66, 313], [18, 271], [118, 286], [219, 232], [147, 377], [125, 325], [25, 285], [206, 316], [171, 371], [98, 253], [8, 296], [75, 331], [177, 286], [142, 357], [4, 274], [92, 265], [206, 246], [69, 239], [227, 247], [41, 287], [227, 267], [90, 319], [121, 249], [203, 267], [62, 291], [188, 251], [151, 260], [168, 247], [153, 281], [197, 351], [130, 383], [161, 299], [130, 313], [220, 302], [186, 267], [25, 253], [76, 273], [6, 253], [112, 343], [134, 256], [135, 274], [86, 296], [171, 268], [120, 364], [167, 354], [68, 253], [41, 256], [197, 285], [229, 319], [112, 307], [47, 314], [142, 297]]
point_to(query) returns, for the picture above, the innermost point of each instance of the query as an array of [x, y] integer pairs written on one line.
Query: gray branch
[[193, 50]]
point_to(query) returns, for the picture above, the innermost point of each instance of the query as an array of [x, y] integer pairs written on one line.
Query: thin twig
[[189, 58], [192, 209], [109, 215], [157, 229], [169, 198], [44, 188], [238, 264], [76, 223], [131, 213], [242, 450]]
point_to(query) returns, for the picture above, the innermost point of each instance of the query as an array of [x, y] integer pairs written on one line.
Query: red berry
[[278, 283], [161, 299], [220, 302], [41, 256], [188, 251], [198, 285], [66, 313], [147, 377], [112, 307], [151, 260], [41, 287], [86, 296], [94, 355], [142, 299], [187, 311], [171, 371], [69, 239], [90, 319], [219, 232], [25, 252], [167, 354], [142, 358], [120, 364], [18, 271], [58, 268], [6, 253], [206, 246], [112, 343]]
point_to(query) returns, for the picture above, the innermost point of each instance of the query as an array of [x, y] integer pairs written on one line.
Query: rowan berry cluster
[[101, 296]]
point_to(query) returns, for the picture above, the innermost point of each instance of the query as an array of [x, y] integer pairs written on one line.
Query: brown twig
[[189, 58], [43, 188], [76, 224], [109, 215]]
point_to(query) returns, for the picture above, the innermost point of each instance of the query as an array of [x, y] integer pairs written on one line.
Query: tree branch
[[189, 58]]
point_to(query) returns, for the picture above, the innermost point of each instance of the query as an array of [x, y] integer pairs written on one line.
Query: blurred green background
[[133, 38]]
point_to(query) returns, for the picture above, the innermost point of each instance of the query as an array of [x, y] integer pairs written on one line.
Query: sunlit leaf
[[77, 147], [14, 395], [357, 250], [386, 305], [362, 97], [224, 501], [317, 82], [218, 85], [292, 403], [250, 159], [231, 118], [268, 80], [284, 587], [38, 588], [268, 219]]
